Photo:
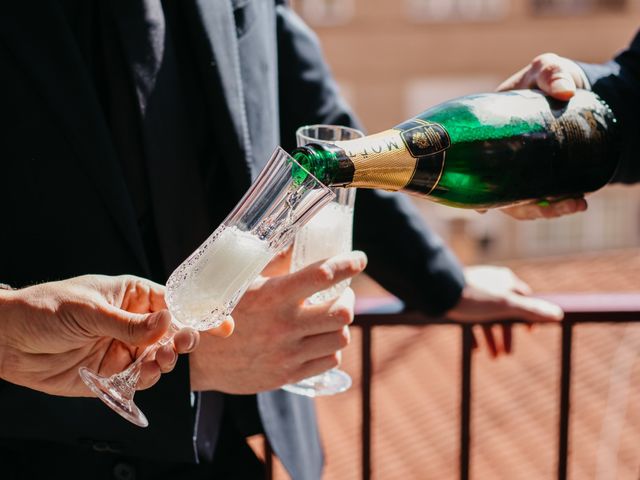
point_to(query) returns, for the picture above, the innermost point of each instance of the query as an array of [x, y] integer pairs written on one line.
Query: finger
[[491, 341], [223, 330], [554, 80], [149, 375], [507, 338], [329, 316], [130, 328], [315, 367], [520, 79], [186, 340], [318, 346], [548, 210], [520, 286], [156, 298], [142, 295], [166, 358], [523, 212], [280, 264], [568, 206], [322, 275], [533, 309]]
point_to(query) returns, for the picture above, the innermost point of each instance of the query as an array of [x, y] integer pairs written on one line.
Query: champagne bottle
[[480, 151]]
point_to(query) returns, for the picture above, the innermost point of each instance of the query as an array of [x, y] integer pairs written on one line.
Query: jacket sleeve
[[618, 83], [405, 257]]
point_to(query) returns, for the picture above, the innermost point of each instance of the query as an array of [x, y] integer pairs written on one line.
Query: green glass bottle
[[481, 151]]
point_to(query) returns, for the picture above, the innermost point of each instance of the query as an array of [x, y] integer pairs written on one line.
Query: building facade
[[395, 58]]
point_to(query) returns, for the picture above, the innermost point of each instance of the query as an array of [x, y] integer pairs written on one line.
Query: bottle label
[[427, 142], [424, 138], [407, 157]]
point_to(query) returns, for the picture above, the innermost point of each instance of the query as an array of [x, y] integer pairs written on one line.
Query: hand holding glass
[[206, 287], [329, 233]]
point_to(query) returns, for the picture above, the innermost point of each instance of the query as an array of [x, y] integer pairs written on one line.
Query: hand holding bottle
[[481, 151], [558, 77]]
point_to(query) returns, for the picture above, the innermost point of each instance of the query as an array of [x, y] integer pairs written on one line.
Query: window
[[456, 10], [570, 7], [610, 222], [326, 12]]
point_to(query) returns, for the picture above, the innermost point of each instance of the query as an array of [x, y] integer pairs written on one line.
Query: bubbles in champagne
[[205, 288], [327, 234]]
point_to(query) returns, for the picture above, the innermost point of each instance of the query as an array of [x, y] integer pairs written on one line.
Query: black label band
[[424, 138], [427, 142]]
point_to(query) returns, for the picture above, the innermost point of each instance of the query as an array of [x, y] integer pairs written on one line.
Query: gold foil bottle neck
[[380, 161]]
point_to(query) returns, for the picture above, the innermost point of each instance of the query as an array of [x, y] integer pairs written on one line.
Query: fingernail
[[553, 311], [152, 321], [564, 208], [175, 358], [361, 258], [562, 85], [192, 340]]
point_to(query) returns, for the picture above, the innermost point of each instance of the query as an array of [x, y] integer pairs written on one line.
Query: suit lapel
[[221, 48], [46, 50]]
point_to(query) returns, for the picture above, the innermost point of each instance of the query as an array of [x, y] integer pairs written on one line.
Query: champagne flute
[[329, 233], [206, 287]]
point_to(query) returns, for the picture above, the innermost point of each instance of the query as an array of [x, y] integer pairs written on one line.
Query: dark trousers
[[40, 460]]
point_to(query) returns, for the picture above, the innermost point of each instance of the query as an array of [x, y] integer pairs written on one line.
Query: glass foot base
[[327, 383], [107, 391]]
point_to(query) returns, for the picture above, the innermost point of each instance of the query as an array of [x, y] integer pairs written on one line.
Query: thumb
[[133, 328], [562, 87], [323, 274], [555, 80]]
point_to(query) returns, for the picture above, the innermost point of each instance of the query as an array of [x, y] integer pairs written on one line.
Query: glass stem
[[127, 380]]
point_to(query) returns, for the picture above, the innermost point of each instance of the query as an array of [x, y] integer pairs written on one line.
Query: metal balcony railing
[[578, 308]]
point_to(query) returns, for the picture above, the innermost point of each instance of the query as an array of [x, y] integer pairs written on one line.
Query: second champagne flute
[[329, 233]]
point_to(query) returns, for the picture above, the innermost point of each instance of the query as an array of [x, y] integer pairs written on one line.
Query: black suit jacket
[[66, 210], [618, 83]]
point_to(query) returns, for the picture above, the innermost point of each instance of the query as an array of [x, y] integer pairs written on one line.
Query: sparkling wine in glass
[[327, 234], [206, 287]]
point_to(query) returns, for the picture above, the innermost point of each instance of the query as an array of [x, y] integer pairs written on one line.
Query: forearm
[[618, 83]]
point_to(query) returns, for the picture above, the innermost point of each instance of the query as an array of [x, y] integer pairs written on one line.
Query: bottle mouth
[[329, 163], [302, 161]]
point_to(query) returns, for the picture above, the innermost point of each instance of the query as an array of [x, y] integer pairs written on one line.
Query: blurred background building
[[393, 59]]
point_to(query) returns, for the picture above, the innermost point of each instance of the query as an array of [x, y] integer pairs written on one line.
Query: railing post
[[465, 402], [565, 396], [367, 370], [268, 460]]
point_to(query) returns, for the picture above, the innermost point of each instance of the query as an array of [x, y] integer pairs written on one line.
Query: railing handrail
[[578, 308]]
